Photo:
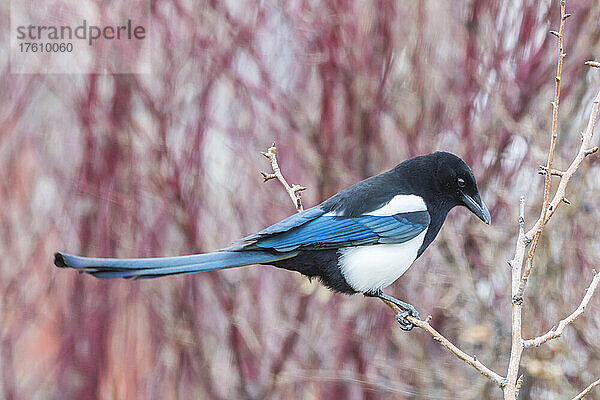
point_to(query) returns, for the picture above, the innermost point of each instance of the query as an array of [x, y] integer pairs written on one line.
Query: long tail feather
[[156, 267]]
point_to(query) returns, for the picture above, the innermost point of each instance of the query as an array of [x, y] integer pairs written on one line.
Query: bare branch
[[555, 108], [591, 151], [438, 337], [510, 390], [558, 331], [292, 191], [593, 64], [537, 233], [587, 390], [519, 281], [543, 171], [584, 150]]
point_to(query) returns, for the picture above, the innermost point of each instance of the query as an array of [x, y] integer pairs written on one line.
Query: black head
[[452, 183]]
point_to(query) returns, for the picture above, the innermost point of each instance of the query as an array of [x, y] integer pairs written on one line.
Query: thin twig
[[548, 169], [594, 64], [294, 190], [543, 171], [558, 330], [587, 390], [438, 337]]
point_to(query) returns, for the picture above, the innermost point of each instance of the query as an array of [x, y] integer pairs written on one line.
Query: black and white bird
[[358, 241]]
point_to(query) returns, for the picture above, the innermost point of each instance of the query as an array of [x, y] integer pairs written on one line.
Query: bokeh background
[[168, 163]]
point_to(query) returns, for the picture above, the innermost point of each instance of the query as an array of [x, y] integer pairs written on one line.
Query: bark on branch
[[294, 190]]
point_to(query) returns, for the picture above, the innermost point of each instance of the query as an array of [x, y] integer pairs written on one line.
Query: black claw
[[405, 324], [412, 311]]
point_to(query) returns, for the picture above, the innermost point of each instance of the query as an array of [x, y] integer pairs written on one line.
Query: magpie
[[358, 241]]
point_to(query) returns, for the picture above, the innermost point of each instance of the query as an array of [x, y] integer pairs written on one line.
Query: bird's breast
[[368, 268]]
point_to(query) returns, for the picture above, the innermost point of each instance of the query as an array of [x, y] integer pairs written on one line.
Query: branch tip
[[544, 170], [590, 151], [593, 64], [292, 191]]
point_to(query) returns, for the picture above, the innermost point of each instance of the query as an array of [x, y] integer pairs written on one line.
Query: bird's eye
[[461, 182]]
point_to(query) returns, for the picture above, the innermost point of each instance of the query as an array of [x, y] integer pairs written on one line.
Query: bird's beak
[[477, 206]]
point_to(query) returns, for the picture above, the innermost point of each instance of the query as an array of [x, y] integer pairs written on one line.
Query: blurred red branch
[[124, 165]]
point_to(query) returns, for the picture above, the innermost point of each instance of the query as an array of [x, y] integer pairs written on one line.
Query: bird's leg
[[405, 324]]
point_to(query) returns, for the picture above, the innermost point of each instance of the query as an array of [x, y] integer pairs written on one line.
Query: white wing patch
[[368, 268], [401, 203]]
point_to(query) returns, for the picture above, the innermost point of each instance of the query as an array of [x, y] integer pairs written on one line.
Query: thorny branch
[[533, 236], [519, 280], [292, 191], [548, 168]]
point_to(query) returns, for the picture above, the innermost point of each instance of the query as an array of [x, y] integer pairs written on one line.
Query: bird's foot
[[405, 324], [409, 310], [401, 317]]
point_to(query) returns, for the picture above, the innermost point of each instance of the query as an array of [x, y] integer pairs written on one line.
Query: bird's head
[[445, 181], [455, 181]]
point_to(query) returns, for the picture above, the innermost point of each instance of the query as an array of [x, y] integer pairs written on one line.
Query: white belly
[[368, 268]]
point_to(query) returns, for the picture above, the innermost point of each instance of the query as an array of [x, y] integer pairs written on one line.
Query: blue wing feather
[[325, 231], [284, 225]]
